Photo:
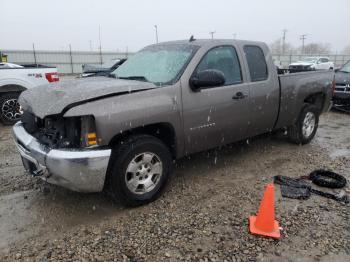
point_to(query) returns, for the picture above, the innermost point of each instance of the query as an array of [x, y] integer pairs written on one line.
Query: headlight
[[88, 134]]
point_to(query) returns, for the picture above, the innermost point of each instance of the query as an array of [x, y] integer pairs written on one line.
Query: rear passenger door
[[264, 89], [216, 115]]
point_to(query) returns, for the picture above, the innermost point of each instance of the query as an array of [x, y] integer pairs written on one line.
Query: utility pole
[[156, 28], [302, 38], [99, 38], [71, 58], [284, 41], [34, 55], [212, 34]]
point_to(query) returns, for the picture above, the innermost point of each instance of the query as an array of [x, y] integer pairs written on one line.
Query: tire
[[328, 179], [140, 160], [10, 111], [298, 133]]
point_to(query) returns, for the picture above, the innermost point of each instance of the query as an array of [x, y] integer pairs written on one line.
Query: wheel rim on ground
[[11, 110], [143, 173], [308, 124]]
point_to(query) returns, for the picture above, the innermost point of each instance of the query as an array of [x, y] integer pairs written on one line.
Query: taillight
[[52, 77]]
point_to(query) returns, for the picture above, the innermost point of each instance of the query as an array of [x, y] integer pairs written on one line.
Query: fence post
[[71, 58]]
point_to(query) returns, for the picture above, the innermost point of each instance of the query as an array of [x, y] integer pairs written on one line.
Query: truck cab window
[[224, 59], [256, 63]]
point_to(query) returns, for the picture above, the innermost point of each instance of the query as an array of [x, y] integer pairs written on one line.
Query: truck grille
[[299, 68]]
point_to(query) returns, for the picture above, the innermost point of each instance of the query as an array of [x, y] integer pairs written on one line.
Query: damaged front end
[[63, 151], [61, 132]]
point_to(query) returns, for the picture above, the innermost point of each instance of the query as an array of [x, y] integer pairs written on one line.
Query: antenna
[[212, 34], [192, 39]]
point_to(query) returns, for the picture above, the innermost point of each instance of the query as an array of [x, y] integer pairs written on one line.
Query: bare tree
[[346, 50], [276, 47], [317, 48]]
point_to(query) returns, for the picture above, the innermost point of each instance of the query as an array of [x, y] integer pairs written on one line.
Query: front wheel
[[304, 130], [139, 170], [10, 110]]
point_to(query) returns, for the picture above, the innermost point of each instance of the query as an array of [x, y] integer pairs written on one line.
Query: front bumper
[[75, 169]]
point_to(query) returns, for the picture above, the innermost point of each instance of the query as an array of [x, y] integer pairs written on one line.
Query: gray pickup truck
[[122, 133]]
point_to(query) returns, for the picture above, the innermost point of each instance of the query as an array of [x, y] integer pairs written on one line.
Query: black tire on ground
[[122, 157], [295, 132], [325, 178], [9, 108]]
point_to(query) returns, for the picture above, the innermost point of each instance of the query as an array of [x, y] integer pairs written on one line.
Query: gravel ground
[[203, 215]]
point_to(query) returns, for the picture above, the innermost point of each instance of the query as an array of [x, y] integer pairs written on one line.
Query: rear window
[[256, 63]]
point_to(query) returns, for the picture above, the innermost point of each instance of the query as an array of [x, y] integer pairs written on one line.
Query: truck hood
[[56, 97], [342, 78], [301, 63]]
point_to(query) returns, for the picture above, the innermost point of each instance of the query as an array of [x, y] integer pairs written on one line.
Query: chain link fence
[[67, 62], [70, 62]]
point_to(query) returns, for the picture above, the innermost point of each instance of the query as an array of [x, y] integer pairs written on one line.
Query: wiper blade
[[138, 78], [343, 71], [111, 75]]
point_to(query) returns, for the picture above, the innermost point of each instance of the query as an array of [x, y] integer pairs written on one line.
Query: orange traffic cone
[[264, 223]]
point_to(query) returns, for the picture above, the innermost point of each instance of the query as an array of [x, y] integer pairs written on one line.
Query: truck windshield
[[159, 64], [345, 68]]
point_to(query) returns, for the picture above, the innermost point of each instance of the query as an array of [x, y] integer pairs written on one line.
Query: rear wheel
[[304, 130], [139, 170], [10, 110]]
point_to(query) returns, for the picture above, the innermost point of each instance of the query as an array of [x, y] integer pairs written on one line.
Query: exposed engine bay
[[54, 131]]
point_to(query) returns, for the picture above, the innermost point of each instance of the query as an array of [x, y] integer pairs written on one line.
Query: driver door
[[215, 116]]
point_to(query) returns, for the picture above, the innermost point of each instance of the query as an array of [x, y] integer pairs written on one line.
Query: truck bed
[[299, 84]]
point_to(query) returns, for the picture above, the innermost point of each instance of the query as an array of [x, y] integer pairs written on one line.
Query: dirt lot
[[202, 216]]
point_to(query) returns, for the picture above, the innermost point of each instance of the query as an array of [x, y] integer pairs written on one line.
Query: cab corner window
[[224, 59], [256, 63]]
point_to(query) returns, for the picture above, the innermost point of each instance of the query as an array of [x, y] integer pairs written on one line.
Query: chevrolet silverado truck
[[122, 133], [14, 79]]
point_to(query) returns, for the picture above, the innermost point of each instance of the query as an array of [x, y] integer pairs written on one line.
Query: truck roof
[[210, 42]]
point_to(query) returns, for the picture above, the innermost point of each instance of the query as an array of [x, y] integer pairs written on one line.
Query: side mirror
[[207, 78]]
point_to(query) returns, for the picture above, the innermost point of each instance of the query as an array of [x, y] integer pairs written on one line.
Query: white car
[[312, 63], [13, 80], [9, 65]]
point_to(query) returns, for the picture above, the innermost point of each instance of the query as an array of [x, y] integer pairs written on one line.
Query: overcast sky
[[52, 25]]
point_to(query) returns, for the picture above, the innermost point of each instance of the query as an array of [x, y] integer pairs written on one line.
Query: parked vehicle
[[90, 70], [342, 88], [168, 100], [14, 79], [9, 65], [312, 63]]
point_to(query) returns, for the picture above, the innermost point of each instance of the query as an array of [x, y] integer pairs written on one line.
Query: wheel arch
[[11, 88], [163, 131], [316, 99]]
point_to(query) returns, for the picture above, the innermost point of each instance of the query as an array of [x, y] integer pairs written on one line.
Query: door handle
[[239, 95]]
